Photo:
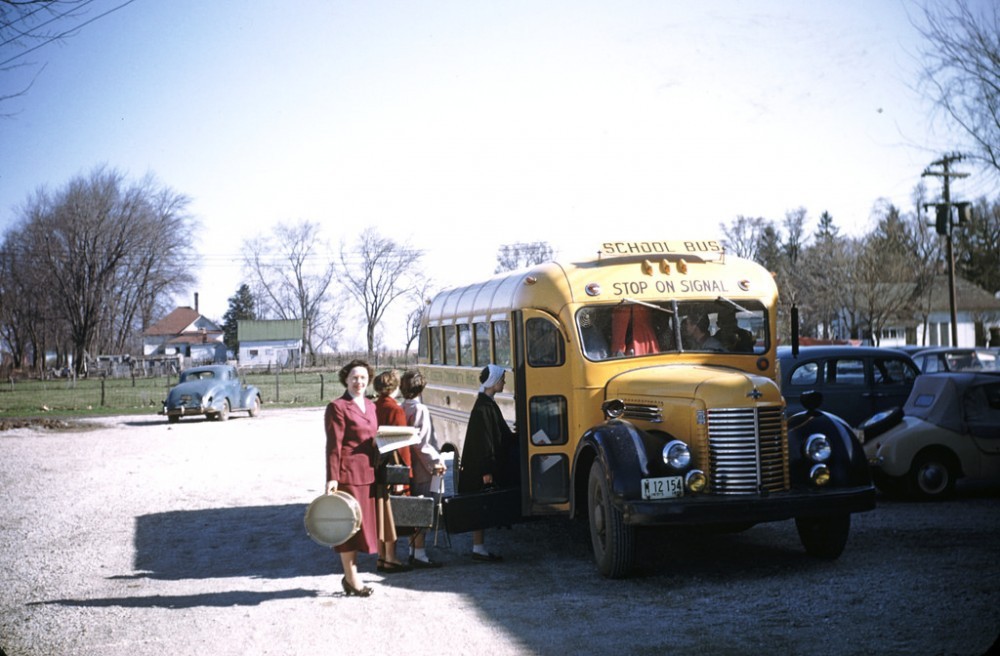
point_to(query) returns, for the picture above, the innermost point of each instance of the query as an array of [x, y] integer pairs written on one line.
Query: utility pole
[[944, 226]]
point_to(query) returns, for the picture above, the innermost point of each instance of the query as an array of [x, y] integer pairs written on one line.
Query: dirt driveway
[[138, 538]]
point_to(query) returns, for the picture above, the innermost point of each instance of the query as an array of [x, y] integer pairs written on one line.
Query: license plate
[[662, 488]]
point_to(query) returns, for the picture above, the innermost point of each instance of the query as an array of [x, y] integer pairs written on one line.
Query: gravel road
[[136, 538]]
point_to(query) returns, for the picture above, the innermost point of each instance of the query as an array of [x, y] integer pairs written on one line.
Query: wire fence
[[285, 387]]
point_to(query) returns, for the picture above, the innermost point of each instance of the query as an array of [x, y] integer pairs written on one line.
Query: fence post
[[277, 388], [321, 383], [102, 391]]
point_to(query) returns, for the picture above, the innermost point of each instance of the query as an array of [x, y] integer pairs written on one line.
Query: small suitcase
[[394, 475], [480, 510], [417, 512]]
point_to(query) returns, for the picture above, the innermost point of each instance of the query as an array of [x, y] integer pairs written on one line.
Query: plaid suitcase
[[417, 512]]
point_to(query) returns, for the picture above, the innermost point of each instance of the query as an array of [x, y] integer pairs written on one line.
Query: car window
[[805, 374], [846, 371], [892, 371], [929, 364], [981, 406]]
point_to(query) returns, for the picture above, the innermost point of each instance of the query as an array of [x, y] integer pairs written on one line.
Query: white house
[[977, 314], [184, 332], [269, 343]]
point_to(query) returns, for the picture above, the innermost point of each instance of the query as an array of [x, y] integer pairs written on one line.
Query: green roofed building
[[269, 343]]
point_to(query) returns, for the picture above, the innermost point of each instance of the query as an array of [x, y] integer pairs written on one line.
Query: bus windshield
[[632, 328]]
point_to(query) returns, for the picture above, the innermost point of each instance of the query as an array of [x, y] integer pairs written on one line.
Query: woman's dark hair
[[412, 384], [386, 382], [345, 371]]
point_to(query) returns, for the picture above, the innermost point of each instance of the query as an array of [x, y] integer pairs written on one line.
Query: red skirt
[[366, 539]]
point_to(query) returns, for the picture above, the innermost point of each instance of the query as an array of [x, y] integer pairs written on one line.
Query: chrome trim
[[650, 413], [746, 450]]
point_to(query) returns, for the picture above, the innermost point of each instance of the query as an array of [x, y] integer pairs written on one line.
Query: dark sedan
[[856, 381]]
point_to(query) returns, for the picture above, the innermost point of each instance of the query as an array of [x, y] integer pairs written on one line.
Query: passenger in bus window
[[632, 331], [696, 334], [731, 336], [490, 448]]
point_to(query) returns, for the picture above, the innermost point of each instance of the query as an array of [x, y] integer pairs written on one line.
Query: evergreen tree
[[242, 306]]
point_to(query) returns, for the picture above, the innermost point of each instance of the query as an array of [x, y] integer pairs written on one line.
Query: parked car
[[949, 428], [947, 358], [854, 381], [213, 391]]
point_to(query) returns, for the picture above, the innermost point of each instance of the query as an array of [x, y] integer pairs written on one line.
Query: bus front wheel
[[613, 540]]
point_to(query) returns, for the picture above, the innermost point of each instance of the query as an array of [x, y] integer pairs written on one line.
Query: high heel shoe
[[351, 591]]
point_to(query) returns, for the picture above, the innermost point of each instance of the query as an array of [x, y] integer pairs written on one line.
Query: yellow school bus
[[645, 392]]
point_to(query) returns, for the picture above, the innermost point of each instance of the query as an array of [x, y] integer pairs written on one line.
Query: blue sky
[[459, 126]]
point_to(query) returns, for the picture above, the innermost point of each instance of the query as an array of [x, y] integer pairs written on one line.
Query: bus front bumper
[[756, 508]]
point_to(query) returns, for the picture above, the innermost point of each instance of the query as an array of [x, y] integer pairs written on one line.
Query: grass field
[[65, 397]]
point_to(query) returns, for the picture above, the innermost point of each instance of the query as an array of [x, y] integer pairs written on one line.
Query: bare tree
[[414, 319], [511, 257], [742, 237], [101, 255], [962, 71], [377, 270], [292, 276], [29, 25]]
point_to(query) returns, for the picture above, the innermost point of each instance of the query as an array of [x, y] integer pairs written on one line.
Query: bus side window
[[501, 343], [437, 354], [465, 345], [450, 346], [481, 336], [545, 344], [422, 344]]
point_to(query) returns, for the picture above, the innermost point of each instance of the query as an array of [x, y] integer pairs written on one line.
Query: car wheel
[[223, 414], [824, 537], [173, 419], [932, 475], [254, 407], [880, 423], [613, 540]]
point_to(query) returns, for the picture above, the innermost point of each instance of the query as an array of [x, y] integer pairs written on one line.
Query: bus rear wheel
[[613, 540]]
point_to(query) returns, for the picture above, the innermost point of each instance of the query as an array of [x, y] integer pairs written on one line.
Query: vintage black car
[[855, 381], [213, 391]]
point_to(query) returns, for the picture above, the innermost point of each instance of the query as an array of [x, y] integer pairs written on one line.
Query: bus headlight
[[818, 448], [820, 475], [677, 454], [695, 480]]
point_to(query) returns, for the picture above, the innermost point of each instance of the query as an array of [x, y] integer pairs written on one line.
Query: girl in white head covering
[[490, 445], [495, 374]]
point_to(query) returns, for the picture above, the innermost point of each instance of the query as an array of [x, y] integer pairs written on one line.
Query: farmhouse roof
[[181, 320], [256, 330]]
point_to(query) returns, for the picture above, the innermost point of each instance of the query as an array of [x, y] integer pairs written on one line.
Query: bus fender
[[847, 463], [618, 445]]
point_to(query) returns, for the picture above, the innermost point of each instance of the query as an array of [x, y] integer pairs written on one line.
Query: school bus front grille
[[746, 450]]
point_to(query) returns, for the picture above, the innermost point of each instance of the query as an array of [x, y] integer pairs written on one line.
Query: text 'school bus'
[[645, 392]]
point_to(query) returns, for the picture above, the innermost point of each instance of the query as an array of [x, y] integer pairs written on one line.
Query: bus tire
[[824, 537], [613, 540]]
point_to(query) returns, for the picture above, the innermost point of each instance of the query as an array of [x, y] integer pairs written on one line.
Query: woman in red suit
[[351, 425]]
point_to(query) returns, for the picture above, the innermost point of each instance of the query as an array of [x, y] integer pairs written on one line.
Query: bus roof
[[553, 285]]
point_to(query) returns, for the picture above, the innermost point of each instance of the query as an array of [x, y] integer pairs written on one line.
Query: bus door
[[543, 388]]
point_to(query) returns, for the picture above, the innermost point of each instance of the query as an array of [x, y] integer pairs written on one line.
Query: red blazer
[[390, 413], [350, 441]]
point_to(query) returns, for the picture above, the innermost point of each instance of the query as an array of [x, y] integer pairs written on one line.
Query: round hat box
[[332, 519]]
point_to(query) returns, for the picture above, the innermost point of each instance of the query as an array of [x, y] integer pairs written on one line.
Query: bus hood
[[719, 387]]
